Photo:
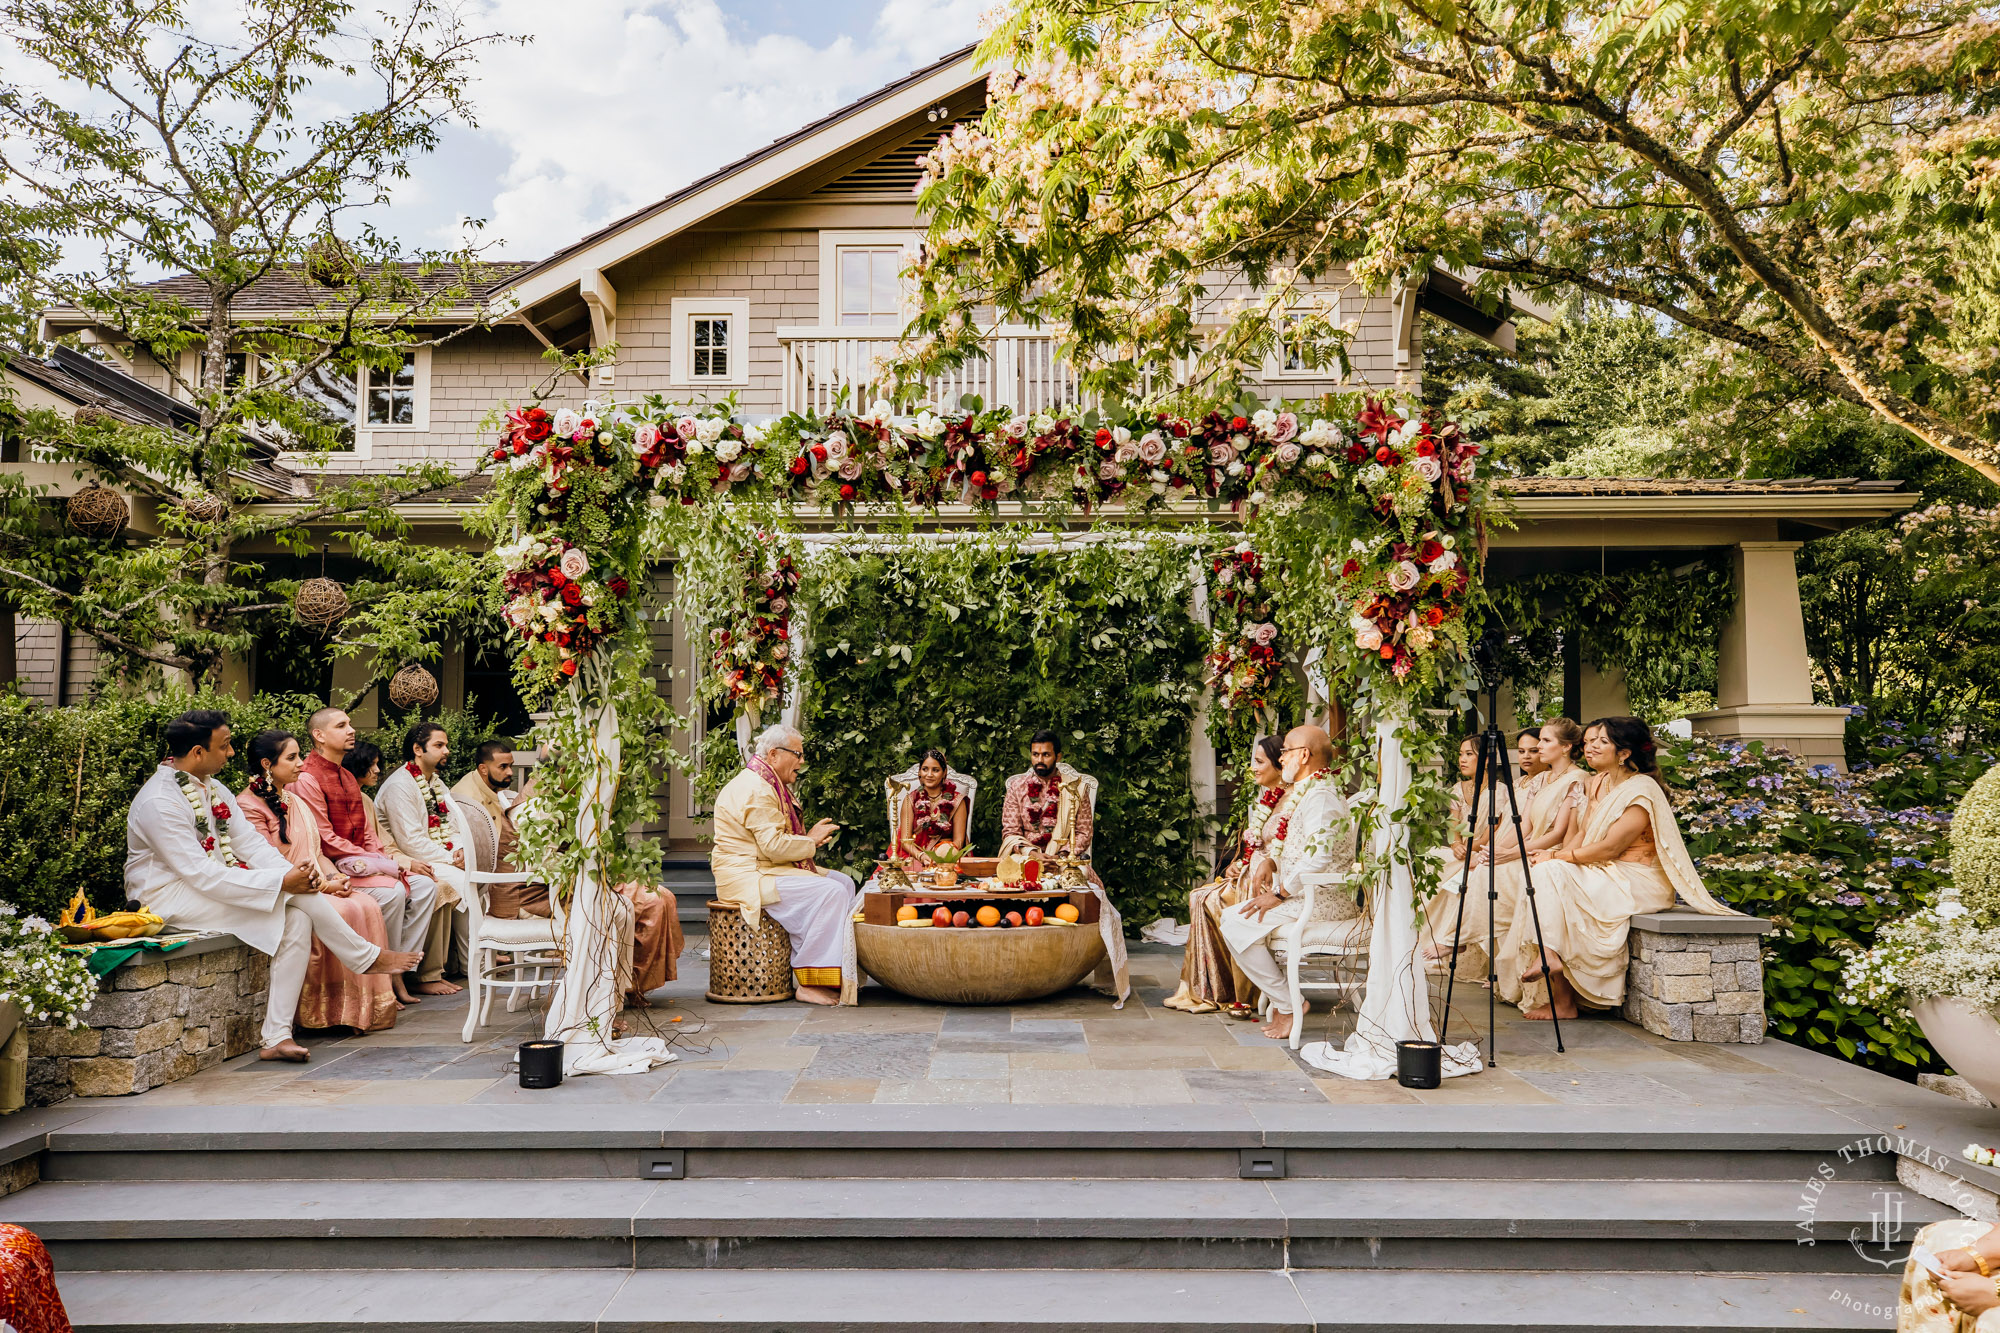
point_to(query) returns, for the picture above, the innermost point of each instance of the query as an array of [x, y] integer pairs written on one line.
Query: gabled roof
[[797, 151], [291, 291]]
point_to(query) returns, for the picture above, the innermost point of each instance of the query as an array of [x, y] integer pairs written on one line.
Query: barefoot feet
[[438, 987], [1280, 1026], [393, 963], [287, 1050], [819, 995]]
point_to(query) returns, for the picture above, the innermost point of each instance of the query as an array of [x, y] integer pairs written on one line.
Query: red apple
[[1034, 917], [941, 917], [961, 919]]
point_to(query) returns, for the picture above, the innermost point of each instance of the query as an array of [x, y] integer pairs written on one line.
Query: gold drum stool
[[747, 964]]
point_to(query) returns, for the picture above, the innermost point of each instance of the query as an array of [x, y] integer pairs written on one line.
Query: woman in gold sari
[[1623, 857], [1442, 910], [1967, 1298], [1210, 979]]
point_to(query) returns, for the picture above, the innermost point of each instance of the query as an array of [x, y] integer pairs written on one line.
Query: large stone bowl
[[978, 965]]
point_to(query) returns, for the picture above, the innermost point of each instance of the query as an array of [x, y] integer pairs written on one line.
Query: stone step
[[558, 1139], [546, 1300], [1589, 1226]]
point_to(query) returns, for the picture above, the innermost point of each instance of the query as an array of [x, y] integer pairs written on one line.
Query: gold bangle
[[1985, 1269]]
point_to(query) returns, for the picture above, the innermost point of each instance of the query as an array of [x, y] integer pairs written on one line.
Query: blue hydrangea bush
[[1831, 858]]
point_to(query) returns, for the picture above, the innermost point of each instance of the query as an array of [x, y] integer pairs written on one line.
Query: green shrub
[[1975, 849], [1831, 857], [68, 775]]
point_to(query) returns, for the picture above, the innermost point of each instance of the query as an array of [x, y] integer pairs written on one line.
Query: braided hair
[[266, 747]]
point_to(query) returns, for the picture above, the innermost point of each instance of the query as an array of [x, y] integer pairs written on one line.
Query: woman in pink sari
[[333, 996]]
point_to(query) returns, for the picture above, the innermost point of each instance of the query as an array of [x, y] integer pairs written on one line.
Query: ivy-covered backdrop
[[974, 650]]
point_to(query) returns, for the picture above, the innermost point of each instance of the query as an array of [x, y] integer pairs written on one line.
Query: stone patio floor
[[1072, 1048]]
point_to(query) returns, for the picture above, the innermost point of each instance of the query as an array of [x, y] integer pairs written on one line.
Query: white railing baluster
[[1016, 368]]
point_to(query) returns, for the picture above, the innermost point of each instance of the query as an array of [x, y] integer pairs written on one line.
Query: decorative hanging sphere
[[90, 416], [205, 507], [320, 603], [98, 511], [413, 687], [330, 261]]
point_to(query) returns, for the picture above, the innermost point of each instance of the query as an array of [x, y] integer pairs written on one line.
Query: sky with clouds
[[614, 103]]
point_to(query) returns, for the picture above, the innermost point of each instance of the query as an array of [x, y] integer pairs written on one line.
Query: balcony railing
[[1017, 367]]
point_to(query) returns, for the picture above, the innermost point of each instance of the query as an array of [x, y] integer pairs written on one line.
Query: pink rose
[[575, 564], [1264, 633], [1221, 454], [836, 448], [1109, 471], [780, 651], [739, 471], [645, 437], [1368, 639], [780, 605], [1285, 428], [686, 428], [849, 470], [1152, 449], [1404, 575], [1429, 468], [1289, 452], [1125, 453]]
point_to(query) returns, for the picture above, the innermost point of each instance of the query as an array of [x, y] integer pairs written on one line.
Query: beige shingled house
[[776, 279]]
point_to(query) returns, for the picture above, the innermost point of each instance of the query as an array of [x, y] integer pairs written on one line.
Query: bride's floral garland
[[201, 799]]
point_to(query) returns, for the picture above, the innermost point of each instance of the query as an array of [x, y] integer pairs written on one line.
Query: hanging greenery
[[1658, 623]]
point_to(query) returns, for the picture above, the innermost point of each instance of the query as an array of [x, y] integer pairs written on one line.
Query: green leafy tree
[[1809, 183], [153, 140]]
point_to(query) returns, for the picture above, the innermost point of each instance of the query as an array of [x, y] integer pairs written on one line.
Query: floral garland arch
[[1364, 532]]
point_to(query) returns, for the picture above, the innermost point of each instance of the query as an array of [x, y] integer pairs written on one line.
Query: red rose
[[208, 844], [1382, 454], [819, 452], [846, 491], [557, 578], [1388, 653], [1395, 459], [979, 479], [1356, 452], [1238, 423], [799, 466], [538, 425], [1434, 616], [1426, 447], [572, 596], [1430, 551], [433, 821], [619, 587], [1103, 437], [1350, 569], [548, 636], [569, 668], [219, 810], [500, 453]]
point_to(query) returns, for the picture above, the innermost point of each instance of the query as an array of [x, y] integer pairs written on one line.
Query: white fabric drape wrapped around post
[[595, 964], [1397, 1004]]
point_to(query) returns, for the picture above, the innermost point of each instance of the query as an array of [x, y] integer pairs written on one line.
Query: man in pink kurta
[[334, 797]]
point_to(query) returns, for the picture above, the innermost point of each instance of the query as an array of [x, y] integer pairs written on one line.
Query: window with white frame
[[710, 342], [1288, 360], [861, 279], [392, 394], [351, 404]]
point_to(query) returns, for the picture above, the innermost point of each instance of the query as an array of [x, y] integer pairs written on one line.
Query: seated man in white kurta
[[420, 817], [762, 859], [1318, 839], [193, 857]]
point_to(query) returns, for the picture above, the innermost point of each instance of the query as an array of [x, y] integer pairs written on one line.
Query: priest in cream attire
[[195, 858], [762, 859]]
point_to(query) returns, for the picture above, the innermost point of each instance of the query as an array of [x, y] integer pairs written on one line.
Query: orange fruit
[[906, 913], [1068, 912], [989, 915]]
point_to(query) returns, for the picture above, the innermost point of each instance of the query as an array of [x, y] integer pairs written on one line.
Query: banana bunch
[[81, 921]]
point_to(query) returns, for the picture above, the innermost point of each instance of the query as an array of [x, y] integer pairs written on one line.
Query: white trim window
[[861, 282], [357, 404], [1286, 361], [711, 343]]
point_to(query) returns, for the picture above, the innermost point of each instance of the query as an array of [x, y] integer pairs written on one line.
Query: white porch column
[[1764, 677]]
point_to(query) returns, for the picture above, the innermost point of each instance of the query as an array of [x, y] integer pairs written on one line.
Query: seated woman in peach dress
[[1622, 857], [333, 997]]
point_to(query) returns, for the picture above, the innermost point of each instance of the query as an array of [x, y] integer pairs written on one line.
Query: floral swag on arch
[[1364, 533]]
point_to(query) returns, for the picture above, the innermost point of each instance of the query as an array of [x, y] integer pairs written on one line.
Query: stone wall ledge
[[1693, 977]]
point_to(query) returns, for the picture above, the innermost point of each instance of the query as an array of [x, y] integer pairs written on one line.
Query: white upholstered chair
[[532, 943], [1296, 943]]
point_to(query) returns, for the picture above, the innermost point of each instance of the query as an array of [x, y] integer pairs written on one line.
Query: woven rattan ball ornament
[[204, 507], [90, 416], [413, 687], [320, 602], [98, 511]]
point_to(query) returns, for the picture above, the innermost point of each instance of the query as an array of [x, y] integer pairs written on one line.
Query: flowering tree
[[1806, 182]]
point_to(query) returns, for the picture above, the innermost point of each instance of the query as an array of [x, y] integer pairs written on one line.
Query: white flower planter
[[1968, 1039]]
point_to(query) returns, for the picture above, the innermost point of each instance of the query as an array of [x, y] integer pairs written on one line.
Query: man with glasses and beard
[[762, 859]]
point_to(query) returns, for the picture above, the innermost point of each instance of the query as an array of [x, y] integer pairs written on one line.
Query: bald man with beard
[[1318, 839]]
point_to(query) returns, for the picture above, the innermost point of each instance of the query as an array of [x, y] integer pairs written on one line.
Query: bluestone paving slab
[[26, 1133], [626, 1089], [1598, 1302], [867, 1054], [1596, 1087], [134, 1126], [961, 1208], [1099, 1126], [1230, 1086], [400, 1062], [381, 1300], [113, 1210], [823, 1301], [719, 1086]]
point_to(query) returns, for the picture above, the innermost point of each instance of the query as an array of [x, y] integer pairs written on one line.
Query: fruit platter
[[979, 943]]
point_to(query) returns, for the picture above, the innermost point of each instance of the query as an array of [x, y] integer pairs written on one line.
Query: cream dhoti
[[817, 911]]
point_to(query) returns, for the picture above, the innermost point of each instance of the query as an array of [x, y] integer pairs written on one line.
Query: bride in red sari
[[934, 811]]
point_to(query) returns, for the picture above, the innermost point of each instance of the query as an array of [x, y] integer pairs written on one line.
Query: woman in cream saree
[[1441, 914], [1625, 856]]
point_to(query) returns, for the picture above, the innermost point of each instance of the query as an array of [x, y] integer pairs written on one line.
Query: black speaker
[[1419, 1064], [542, 1064]]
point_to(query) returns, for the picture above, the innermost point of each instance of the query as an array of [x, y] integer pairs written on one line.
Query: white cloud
[[623, 101]]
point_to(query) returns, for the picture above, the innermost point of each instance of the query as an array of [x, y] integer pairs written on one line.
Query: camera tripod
[[1488, 777]]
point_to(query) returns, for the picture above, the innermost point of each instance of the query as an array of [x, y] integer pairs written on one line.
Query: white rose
[[1236, 468], [753, 434], [1449, 560], [1368, 638], [1263, 418], [1428, 468], [695, 446], [1119, 435], [929, 425], [728, 450], [566, 423], [836, 449], [574, 564], [711, 429], [880, 410], [1044, 423]]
